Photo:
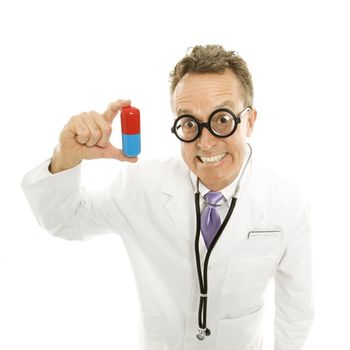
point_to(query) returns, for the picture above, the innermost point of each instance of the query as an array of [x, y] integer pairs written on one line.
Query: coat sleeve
[[66, 209], [293, 287]]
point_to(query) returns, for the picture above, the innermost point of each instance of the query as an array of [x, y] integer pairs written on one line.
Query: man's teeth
[[212, 159]]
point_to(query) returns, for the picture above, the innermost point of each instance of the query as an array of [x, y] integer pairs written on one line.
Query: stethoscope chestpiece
[[202, 333]]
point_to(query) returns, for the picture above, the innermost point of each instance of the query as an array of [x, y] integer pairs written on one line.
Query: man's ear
[[251, 121]]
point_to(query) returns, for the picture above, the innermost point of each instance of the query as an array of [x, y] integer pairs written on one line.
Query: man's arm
[[53, 189], [66, 209], [293, 288]]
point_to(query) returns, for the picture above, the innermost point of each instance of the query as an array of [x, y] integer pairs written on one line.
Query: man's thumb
[[112, 152]]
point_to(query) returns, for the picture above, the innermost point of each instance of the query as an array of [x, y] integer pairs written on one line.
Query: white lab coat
[[151, 206]]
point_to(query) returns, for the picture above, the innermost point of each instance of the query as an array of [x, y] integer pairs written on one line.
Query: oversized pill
[[131, 131]]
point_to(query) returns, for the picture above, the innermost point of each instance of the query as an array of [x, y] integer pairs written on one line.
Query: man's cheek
[[186, 155], [183, 152]]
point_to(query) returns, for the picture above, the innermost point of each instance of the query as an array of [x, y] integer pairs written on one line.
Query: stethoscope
[[203, 331]]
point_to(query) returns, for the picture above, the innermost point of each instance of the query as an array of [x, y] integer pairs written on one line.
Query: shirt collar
[[229, 190]]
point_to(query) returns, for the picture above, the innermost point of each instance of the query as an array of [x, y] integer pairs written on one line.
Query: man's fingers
[[114, 108], [81, 130], [105, 129], [95, 132]]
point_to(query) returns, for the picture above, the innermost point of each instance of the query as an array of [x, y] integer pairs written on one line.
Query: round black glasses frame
[[201, 125]]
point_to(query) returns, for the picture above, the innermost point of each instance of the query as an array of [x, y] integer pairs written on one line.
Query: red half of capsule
[[130, 120]]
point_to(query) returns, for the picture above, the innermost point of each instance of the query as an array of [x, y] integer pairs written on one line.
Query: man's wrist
[[61, 162]]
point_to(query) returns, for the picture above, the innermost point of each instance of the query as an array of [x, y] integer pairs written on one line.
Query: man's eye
[[224, 119], [189, 124]]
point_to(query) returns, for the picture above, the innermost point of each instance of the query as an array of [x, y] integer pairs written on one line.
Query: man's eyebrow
[[181, 111], [226, 104]]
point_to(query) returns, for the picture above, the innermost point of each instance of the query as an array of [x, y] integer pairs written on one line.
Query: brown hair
[[214, 59]]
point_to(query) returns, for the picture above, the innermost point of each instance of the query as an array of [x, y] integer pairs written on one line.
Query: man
[[201, 261]]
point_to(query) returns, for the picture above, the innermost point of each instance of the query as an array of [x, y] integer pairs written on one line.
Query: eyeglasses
[[221, 123]]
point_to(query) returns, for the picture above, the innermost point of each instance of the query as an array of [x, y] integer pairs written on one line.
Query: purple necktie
[[210, 219]]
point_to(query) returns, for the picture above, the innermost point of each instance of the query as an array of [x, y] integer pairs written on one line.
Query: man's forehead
[[201, 93]]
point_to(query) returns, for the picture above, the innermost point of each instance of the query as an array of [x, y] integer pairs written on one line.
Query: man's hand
[[86, 136]]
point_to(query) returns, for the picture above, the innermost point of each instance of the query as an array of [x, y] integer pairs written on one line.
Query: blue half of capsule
[[131, 144]]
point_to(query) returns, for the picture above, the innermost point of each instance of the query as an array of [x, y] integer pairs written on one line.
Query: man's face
[[216, 161]]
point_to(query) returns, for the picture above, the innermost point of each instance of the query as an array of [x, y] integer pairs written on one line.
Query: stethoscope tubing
[[203, 331]]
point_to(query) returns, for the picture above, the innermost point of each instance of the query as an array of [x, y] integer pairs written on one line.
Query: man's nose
[[206, 139]]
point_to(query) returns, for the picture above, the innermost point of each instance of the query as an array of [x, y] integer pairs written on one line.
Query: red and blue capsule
[[131, 131]]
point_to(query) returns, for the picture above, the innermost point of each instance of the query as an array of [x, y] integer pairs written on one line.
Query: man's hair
[[214, 59]]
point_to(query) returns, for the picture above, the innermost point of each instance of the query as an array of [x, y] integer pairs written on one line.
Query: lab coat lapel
[[179, 206]]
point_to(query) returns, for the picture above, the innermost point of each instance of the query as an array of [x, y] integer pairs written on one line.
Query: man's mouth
[[213, 159]]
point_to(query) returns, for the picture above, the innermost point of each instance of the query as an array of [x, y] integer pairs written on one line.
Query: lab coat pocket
[[246, 280], [249, 270], [260, 244], [241, 333]]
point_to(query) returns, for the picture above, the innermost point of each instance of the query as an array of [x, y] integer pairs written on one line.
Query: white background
[[59, 58]]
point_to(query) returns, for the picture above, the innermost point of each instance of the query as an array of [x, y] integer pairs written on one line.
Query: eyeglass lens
[[221, 123], [187, 128]]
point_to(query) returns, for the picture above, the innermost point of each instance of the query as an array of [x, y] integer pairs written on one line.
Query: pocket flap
[[257, 234]]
